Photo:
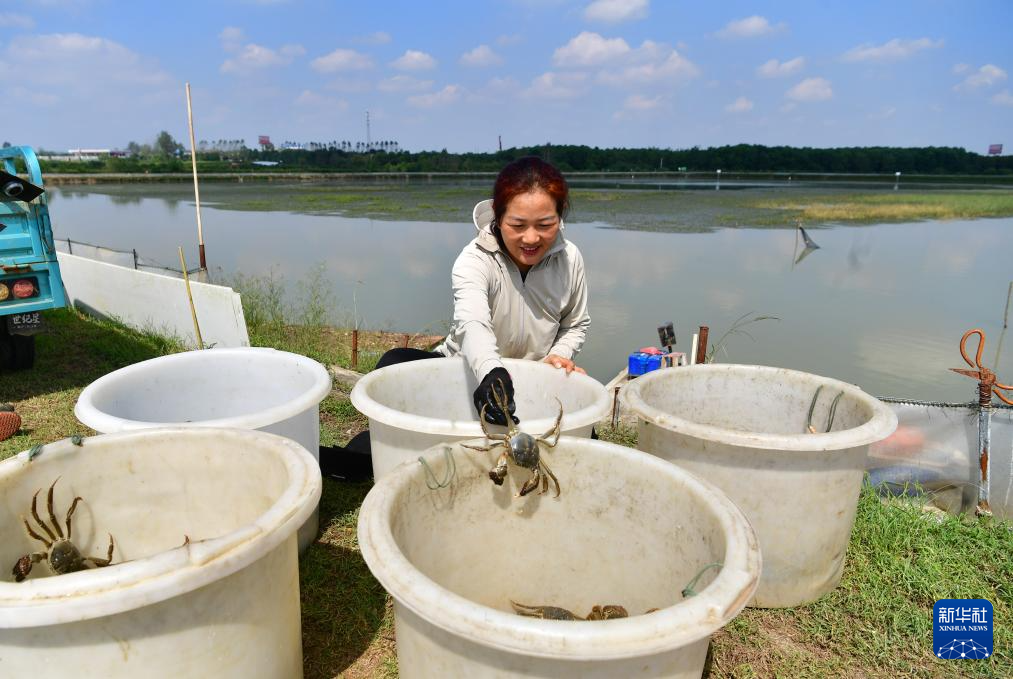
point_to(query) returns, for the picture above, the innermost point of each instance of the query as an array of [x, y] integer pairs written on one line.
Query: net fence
[[935, 449], [125, 258]]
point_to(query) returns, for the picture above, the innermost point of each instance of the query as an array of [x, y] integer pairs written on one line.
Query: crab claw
[[530, 484], [22, 567]]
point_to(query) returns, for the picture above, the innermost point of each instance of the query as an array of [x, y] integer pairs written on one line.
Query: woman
[[519, 288]]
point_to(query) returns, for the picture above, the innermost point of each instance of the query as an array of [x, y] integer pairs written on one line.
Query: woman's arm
[[473, 333], [575, 319]]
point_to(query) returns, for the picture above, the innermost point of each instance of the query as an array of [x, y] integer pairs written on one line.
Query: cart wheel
[[24, 352], [17, 352]]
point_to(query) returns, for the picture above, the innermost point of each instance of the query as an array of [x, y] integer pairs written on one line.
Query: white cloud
[[986, 76], [885, 114], [79, 73], [27, 96], [404, 83], [663, 64], [616, 11], [481, 56], [553, 85], [589, 49], [75, 59], [414, 60], [507, 40], [811, 89], [777, 69], [892, 50], [447, 95], [740, 105], [341, 60], [349, 85], [231, 38], [313, 100], [12, 20], [637, 105], [1003, 98], [377, 38], [960, 68], [750, 27], [252, 57]]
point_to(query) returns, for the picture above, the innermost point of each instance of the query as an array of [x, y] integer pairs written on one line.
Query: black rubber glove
[[498, 379]]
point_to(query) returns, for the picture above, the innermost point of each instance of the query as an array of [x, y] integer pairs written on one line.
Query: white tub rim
[[101, 421], [368, 406], [129, 585], [609, 640], [882, 423]]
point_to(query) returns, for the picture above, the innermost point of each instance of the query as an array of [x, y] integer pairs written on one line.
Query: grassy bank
[[877, 623], [895, 207]]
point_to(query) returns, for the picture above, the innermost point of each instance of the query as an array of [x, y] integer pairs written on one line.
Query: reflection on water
[[882, 306]]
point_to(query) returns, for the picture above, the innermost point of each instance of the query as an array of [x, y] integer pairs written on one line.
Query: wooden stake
[[701, 351], [189, 296], [196, 187]]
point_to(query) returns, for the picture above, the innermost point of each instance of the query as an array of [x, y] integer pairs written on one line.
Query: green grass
[[894, 207], [877, 623]]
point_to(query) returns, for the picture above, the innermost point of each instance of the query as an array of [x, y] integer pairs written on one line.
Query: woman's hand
[[564, 363]]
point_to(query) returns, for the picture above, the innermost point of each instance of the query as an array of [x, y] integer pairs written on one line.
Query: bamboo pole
[[196, 187], [189, 296]]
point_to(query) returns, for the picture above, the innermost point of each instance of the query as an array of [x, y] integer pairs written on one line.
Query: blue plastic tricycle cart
[[29, 272]]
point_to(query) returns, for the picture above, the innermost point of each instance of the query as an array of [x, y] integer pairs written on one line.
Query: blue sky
[[455, 74]]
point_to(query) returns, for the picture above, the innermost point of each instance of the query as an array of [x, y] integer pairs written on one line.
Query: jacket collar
[[483, 215]]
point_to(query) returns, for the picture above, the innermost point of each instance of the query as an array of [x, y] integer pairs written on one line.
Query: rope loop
[[431, 481], [688, 590]]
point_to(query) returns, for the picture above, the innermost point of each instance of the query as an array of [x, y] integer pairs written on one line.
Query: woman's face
[[529, 227]]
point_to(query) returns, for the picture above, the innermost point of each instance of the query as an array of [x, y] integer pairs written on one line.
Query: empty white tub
[[247, 388], [743, 428]]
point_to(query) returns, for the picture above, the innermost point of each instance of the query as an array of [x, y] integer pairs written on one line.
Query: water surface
[[881, 305]]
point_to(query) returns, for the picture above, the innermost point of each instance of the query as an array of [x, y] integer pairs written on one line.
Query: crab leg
[[544, 612], [555, 428], [70, 512], [35, 513], [49, 506], [541, 463], [99, 562], [35, 535]]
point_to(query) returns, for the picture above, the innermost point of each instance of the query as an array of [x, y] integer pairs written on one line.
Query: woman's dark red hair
[[525, 175]]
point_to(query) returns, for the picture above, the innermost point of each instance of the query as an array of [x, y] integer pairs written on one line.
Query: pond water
[[881, 305]]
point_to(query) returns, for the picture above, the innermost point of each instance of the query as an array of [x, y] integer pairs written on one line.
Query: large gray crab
[[521, 448], [61, 554]]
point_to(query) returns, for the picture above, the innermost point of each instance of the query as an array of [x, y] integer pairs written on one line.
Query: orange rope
[[985, 372]]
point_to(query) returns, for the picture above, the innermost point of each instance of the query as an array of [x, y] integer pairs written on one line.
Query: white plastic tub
[[413, 406], [742, 428], [224, 605], [246, 388], [627, 529]]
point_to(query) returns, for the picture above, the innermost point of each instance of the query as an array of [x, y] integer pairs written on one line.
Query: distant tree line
[[167, 155], [739, 158]]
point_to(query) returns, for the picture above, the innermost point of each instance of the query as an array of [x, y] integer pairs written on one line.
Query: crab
[[606, 612], [598, 612], [521, 448], [61, 554]]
